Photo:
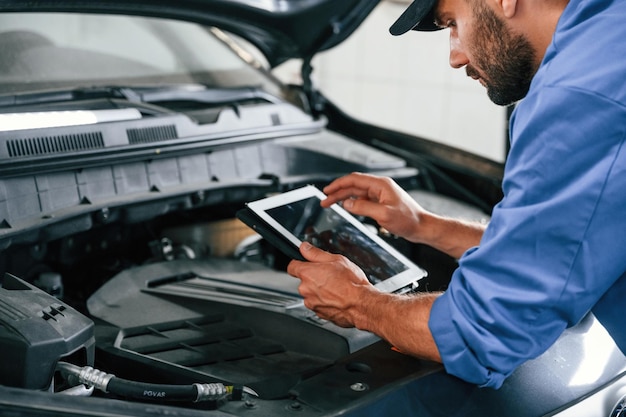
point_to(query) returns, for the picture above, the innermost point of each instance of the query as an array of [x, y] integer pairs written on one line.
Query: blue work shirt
[[555, 248]]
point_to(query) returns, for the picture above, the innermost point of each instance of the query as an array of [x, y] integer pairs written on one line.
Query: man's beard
[[506, 59]]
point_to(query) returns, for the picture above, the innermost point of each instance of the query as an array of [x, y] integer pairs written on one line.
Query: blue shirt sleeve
[[555, 243]]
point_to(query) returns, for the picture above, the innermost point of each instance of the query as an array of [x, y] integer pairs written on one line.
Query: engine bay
[[181, 316], [156, 294]]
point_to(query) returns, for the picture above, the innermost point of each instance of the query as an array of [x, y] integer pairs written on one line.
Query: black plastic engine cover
[[36, 331]]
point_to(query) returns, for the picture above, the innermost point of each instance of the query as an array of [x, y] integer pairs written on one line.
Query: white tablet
[[297, 216]]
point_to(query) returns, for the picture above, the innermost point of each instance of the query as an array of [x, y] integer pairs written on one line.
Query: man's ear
[[509, 7]]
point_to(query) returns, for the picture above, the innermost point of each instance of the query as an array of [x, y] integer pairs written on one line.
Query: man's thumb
[[311, 253]]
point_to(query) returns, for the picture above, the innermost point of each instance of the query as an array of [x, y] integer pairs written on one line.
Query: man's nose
[[458, 59]]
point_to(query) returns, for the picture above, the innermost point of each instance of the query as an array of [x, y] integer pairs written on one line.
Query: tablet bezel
[[405, 279]]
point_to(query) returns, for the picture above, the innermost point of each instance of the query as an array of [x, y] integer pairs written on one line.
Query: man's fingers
[[343, 194], [356, 180], [360, 207], [355, 185], [311, 254]]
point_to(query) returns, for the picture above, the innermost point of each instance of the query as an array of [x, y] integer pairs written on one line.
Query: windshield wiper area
[[96, 126], [138, 94]]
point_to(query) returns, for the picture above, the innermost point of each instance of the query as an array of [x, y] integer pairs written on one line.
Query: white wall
[[406, 83]]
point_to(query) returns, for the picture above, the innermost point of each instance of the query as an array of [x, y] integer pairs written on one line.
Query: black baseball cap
[[418, 16]]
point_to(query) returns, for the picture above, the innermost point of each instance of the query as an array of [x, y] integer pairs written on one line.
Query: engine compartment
[[180, 292], [169, 309]]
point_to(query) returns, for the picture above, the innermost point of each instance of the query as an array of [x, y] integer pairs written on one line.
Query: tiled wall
[[406, 83]]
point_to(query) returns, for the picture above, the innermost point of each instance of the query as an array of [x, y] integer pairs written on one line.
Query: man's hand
[[381, 199], [337, 290], [330, 284]]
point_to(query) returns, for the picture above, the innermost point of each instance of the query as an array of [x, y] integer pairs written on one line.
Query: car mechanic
[[555, 248]]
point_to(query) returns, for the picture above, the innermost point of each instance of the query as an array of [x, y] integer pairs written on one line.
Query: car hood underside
[[280, 29]]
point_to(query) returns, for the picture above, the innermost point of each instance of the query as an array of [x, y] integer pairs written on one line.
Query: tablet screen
[[300, 217], [327, 230]]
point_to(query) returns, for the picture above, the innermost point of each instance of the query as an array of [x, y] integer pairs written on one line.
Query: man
[[555, 248]]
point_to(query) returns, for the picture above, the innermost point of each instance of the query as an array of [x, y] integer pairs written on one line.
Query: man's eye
[[445, 24]]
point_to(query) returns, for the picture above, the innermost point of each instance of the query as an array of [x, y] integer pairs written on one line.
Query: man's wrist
[[369, 308], [449, 235]]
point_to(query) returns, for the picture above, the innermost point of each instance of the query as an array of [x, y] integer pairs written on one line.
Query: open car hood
[[281, 29]]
